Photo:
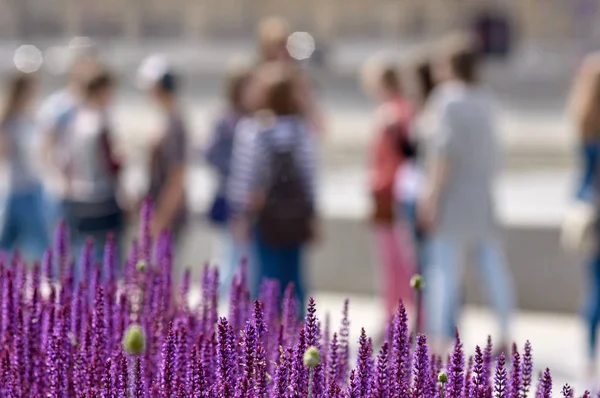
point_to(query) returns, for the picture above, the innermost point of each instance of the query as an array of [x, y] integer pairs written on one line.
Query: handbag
[[578, 230], [218, 213]]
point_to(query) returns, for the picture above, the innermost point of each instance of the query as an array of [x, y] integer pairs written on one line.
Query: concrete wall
[[546, 278]]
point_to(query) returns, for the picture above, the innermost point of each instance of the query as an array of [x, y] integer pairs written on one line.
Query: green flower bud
[[312, 357], [416, 282], [141, 265], [268, 378], [443, 377], [134, 340]]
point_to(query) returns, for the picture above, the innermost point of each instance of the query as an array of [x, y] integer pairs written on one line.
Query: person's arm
[[217, 153], [172, 196], [242, 177], [446, 147]]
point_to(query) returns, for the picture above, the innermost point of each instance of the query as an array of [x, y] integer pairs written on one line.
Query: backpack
[[287, 215]]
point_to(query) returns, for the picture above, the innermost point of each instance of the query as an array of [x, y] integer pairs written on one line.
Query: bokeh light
[[28, 58], [300, 45]]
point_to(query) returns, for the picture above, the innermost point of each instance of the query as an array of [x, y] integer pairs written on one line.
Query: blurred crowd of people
[[433, 161]]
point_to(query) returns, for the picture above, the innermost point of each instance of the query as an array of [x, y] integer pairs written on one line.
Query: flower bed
[[138, 337]]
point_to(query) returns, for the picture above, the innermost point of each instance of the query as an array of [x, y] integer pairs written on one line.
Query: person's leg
[[442, 288], [9, 228], [292, 271], [267, 264], [391, 266], [592, 306], [32, 224], [498, 282]]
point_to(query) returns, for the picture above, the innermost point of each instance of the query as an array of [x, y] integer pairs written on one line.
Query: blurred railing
[[329, 19]]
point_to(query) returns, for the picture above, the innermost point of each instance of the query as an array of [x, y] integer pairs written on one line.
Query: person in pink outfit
[[393, 243]]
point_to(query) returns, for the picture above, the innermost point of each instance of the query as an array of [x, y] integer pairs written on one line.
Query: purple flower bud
[[527, 369], [382, 383], [344, 350], [290, 314], [516, 382], [501, 378], [401, 350], [487, 361], [567, 391], [546, 385], [310, 324], [282, 373], [353, 389], [421, 369]]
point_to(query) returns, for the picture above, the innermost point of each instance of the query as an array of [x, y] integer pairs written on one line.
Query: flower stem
[[311, 372]]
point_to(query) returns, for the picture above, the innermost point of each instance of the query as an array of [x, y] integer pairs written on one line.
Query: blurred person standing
[[272, 185], [53, 118], [457, 207], [92, 169], [168, 154], [273, 34], [23, 222], [390, 148], [585, 109], [409, 178], [218, 154]]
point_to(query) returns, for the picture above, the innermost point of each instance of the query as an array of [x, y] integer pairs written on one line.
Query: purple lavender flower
[[299, 374], [401, 351], [421, 369], [332, 363], [249, 345], [120, 375], [468, 378], [487, 361], [168, 371], [382, 384], [546, 385], [289, 314], [282, 373], [139, 390], [259, 321], [363, 366], [501, 378], [312, 333], [99, 336], [260, 374], [224, 357], [567, 391], [516, 381], [353, 389], [108, 386], [527, 369], [479, 383]]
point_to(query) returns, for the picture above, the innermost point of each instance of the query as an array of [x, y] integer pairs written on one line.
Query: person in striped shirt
[[272, 187]]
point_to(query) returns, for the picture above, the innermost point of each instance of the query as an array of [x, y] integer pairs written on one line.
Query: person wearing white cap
[[168, 153]]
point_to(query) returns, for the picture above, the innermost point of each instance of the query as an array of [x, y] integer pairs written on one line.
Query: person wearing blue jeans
[[458, 208], [23, 224], [444, 274], [283, 264]]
